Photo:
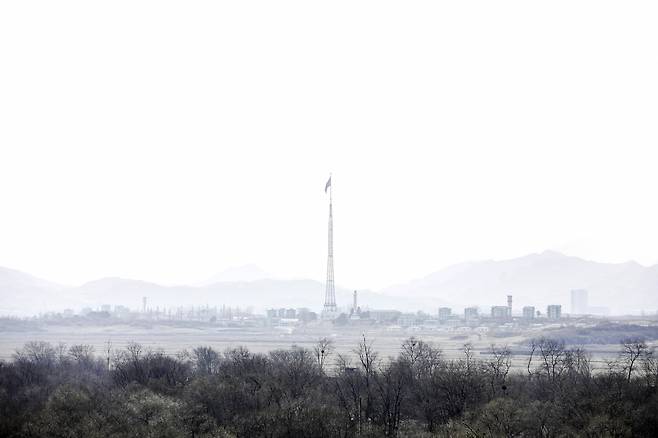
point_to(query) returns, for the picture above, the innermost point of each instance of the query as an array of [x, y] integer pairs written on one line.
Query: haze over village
[[537, 280]]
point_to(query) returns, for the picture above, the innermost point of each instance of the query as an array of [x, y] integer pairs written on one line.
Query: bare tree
[[368, 359], [579, 362], [632, 350], [391, 382], [497, 367], [469, 360], [650, 368], [61, 352], [343, 362], [41, 353], [411, 350], [82, 353], [322, 350], [552, 354], [108, 352], [206, 360], [422, 358], [349, 384], [367, 355], [533, 347]]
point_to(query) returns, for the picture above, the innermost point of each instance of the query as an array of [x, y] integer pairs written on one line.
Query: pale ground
[[263, 339]]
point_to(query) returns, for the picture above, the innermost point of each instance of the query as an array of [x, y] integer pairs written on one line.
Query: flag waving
[[326, 186]]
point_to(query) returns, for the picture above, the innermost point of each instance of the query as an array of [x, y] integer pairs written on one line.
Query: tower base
[[329, 313]]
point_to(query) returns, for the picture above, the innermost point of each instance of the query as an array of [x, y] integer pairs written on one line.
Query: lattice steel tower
[[329, 310]]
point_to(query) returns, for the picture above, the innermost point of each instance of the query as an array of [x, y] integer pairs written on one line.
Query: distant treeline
[[60, 391], [604, 333], [8, 324]]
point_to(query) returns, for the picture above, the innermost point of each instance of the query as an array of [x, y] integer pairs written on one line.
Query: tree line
[[58, 391]]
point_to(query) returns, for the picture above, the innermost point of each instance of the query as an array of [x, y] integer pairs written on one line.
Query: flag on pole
[[326, 186]]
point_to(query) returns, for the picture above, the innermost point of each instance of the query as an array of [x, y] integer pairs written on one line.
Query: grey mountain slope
[[539, 280], [21, 292]]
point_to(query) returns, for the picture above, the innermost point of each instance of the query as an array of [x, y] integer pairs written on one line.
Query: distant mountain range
[[20, 293], [539, 280], [535, 279]]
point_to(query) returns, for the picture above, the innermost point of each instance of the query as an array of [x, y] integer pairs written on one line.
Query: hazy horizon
[[538, 279], [254, 272]]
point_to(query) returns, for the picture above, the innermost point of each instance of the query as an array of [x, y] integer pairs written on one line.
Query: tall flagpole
[[329, 310]]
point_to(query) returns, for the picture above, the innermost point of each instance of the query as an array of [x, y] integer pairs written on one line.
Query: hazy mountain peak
[[14, 277], [22, 293]]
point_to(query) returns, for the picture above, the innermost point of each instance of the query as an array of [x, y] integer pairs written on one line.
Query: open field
[[174, 339]]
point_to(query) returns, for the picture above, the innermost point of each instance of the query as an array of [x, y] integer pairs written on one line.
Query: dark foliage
[[55, 391], [603, 333]]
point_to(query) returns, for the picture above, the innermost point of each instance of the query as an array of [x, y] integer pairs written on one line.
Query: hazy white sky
[[167, 141]]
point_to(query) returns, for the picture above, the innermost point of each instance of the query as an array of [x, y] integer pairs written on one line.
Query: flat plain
[[173, 339]]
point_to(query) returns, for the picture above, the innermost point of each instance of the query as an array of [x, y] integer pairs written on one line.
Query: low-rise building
[[407, 320], [471, 313], [500, 312], [385, 316], [554, 311]]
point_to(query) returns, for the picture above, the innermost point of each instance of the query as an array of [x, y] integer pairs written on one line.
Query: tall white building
[[579, 303]]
